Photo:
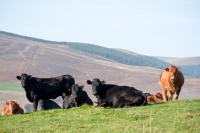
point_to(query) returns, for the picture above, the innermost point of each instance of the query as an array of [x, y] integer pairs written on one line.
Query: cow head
[[76, 91], [96, 85], [12, 105], [25, 79], [159, 96], [173, 70]]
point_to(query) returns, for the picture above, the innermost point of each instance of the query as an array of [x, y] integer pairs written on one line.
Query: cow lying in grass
[[157, 98], [11, 108], [116, 96], [77, 98]]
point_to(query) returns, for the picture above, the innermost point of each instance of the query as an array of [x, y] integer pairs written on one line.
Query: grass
[[180, 116], [11, 86]]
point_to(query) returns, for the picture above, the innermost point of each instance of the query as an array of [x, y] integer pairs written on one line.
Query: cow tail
[[145, 99], [159, 79]]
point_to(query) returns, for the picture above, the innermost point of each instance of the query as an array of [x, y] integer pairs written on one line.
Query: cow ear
[[167, 69], [179, 69], [103, 82], [7, 103], [18, 77], [89, 82], [82, 86]]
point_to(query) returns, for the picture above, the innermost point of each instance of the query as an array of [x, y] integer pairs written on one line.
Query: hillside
[[109, 53], [122, 56], [19, 55]]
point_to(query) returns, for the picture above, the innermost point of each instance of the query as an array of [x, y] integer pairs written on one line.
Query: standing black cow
[[116, 96], [45, 88], [77, 98], [47, 104]]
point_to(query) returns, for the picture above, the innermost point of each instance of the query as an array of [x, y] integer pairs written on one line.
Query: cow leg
[[35, 103], [170, 95], [177, 93], [164, 93]]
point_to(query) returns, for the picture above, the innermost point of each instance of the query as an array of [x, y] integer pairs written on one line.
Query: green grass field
[[182, 116], [11, 86]]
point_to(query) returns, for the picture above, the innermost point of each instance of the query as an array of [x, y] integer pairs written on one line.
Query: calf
[[116, 96], [77, 98], [157, 98], [47, 104], [12, 108], [45, 88]]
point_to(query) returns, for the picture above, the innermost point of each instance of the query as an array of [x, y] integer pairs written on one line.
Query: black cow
[[77, 98], [116, 96], [47, 104], [45, 88], [69, 102]]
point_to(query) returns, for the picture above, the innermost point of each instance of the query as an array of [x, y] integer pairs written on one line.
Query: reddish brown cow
[[157, 98], [12, 108], [171, 80]]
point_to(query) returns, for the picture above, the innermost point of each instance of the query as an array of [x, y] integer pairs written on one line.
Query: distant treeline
[[115, 55]]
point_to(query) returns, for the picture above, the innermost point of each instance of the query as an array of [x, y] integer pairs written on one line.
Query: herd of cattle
[[41, 90]]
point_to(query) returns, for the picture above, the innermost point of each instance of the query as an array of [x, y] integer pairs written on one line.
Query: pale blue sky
[[168, 28]]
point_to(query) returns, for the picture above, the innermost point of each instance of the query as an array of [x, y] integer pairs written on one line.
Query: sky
[[169, 28]]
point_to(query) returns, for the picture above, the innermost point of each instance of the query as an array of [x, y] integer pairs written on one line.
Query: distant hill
[[188, 61], [121, 56], [108, 53], [189, 66]]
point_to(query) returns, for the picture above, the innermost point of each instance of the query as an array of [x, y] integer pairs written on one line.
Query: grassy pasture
[[11, 86], [182, 116]]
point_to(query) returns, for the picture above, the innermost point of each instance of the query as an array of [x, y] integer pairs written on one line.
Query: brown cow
[[12, 108], [171, 80], [157, 98]]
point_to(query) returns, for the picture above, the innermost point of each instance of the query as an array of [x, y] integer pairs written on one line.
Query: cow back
[[121, 96]]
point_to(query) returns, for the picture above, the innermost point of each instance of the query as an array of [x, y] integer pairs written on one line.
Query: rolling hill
[[43, 59], [123, 56]]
